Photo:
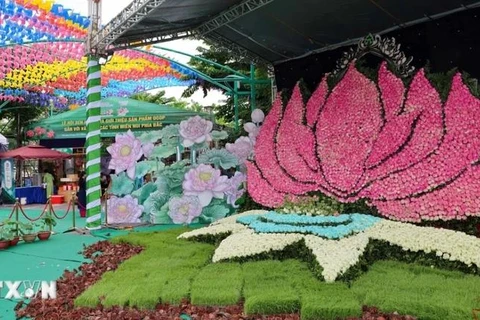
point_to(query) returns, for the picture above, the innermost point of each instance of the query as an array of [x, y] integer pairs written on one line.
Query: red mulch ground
[[73, 283]]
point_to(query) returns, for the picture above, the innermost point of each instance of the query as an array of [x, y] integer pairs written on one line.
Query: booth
[[32, 194]]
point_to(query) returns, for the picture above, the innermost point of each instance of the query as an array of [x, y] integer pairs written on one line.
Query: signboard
[[117, 124], [64, 150], [8, 185]]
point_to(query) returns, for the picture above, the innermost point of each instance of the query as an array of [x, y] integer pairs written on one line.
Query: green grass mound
[[170, 270]]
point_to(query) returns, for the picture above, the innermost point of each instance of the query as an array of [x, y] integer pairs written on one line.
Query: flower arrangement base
[[14, 241], [28, 238], [44, 235], [4, 244], [355, 239]]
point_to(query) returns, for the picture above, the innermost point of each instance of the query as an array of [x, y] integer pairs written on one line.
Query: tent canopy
[[118, 116], [277, 30], [33, 152]]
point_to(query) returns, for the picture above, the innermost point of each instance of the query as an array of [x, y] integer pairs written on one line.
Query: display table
[[32, 194]]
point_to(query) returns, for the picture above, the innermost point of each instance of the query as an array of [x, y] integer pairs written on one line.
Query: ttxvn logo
[[27, 289]]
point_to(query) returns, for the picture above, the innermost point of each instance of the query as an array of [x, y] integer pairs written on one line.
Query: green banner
[[8, 185], [64, 150], [118, 115]]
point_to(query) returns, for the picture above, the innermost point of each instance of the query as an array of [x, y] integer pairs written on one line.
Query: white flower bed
[[447, 244], [247, 243], [337, 256], [214, 230]]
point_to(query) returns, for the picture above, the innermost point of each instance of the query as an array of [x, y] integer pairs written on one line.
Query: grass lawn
[[170, 270]]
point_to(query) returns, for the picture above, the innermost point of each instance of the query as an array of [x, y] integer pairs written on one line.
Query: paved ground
[[41, 260], [46, 260]]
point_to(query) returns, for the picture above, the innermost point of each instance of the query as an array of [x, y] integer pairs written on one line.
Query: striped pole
[[93, 143]]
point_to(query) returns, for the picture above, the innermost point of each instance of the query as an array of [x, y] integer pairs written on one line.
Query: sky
[[110, 8]]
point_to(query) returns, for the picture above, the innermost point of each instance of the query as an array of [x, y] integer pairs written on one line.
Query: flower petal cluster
[[333, 227], [125, 153], [408, 153], [242, 149], [183, 210], [235, 188], [195, 130], [206, 183], [124, 210]]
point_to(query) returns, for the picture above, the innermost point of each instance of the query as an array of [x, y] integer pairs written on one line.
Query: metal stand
[[74, 228]]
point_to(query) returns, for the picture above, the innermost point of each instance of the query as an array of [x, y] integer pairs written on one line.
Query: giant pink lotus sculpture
[[408, 153]]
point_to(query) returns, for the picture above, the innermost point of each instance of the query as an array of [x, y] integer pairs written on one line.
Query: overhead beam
[[124, 21], [139, 9], [230, 15], [235, 48]]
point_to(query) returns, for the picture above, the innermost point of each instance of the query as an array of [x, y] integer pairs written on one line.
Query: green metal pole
[[235, 103], [93, 143], [253, 93]]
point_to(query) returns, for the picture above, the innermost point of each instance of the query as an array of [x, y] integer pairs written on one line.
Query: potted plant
[[28, 233], [5, 237], [47, 223], [14, 227]]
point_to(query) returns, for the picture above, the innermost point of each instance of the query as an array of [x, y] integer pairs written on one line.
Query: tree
[[224, 57], [159, 98], [17, 117]]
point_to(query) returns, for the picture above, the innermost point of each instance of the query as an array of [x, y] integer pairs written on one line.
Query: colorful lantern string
[[42, 58]]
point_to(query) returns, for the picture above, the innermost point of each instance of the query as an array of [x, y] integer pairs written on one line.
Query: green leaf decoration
[[162, 151], [154, 165], [142, 168], [213, 213], [170, 131], [144, 192], [121, 184], [150, 137], [201, 146], [219, 158], [219, 135], [172, 142], [161, 216], [154, 203], [173, 174]]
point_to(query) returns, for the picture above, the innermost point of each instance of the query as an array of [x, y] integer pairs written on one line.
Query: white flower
[[257, 116]]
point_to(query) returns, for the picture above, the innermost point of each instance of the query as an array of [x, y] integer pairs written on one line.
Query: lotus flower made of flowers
[[195, 130], [408, 153], [124, 210], [205, 182], [125, 152]]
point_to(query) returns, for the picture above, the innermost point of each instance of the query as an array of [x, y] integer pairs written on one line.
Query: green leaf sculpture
[[219, 158], [121, 184]]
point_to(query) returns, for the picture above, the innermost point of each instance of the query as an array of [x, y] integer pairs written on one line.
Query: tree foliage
[[225, 112], [160, 98]]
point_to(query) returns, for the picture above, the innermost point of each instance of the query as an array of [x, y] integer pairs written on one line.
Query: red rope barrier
[[30, 219], [13, 211], [66, 213], [81, 207]]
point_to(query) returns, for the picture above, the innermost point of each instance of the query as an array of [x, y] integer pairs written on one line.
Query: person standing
[[82, 195], [48, 180]]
